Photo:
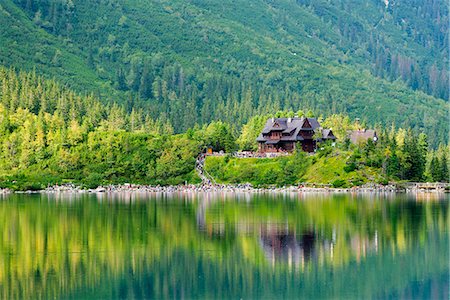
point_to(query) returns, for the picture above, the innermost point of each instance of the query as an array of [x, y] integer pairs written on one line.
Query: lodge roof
[[359, 135], [289, 129], [327, 134], [287, 125]]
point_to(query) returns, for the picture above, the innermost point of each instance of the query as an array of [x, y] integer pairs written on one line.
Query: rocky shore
[[5, 191], [134, 188]]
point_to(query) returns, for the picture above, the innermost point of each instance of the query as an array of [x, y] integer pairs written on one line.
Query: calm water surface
[[224, 246]]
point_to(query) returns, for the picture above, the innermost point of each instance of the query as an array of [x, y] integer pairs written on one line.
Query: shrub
[[92, 181], [30, 186], [325, 152], [357, 182], [339, 183], [350, 167], [383, 181]]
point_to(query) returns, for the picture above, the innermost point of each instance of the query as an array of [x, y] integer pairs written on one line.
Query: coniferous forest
[[58, 136], [117, 91], [195, 62]]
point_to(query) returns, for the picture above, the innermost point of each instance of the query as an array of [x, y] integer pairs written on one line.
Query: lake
[[232, 246]]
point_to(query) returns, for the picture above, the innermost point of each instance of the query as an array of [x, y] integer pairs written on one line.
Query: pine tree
[[422, 150], [121, 80], [145, 86], [411, 157], [435, 168], [40, 139], [443, 168]]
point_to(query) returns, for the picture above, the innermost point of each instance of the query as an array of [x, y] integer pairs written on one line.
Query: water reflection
[[223, 245], [285, 246]]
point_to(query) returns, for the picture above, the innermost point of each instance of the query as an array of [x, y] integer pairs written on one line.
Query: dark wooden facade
[[286, 134]]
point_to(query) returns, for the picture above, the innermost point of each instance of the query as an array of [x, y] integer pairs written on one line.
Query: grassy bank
[[333, 168]]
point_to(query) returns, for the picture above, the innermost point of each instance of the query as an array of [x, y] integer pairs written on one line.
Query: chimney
[[273, 120], [357, 124], [289, 120]]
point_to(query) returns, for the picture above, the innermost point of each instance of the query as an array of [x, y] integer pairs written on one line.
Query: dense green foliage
[[194, 62], [49, 134], [259, 171], [398, 155]]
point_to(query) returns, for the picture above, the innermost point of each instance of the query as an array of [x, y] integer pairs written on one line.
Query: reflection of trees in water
[[50, 246], [346, 229]]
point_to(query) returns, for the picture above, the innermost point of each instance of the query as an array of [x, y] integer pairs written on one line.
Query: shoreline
[[240, 188]]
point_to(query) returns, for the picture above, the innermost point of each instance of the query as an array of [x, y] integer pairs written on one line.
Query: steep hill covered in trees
[[191, 62], [50, 134]]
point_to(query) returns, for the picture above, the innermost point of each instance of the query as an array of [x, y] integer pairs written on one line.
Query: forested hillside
[[192, 62], [50, 134]]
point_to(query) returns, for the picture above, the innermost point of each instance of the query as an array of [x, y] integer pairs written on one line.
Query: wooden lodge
[[362, 136], [285, 134]]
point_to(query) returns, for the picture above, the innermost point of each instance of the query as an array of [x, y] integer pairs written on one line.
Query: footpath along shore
[[368, 188]]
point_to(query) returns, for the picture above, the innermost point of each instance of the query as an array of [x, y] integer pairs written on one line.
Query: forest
[[195, 62], [52, 135]]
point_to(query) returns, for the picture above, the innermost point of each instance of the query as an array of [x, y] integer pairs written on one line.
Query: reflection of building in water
[[282, 245], [298, 248]]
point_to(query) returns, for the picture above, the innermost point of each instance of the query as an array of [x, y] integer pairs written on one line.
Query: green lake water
[[227, 246]]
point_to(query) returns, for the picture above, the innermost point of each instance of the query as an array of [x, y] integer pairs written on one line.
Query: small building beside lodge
[[362, 136], [285, 134]]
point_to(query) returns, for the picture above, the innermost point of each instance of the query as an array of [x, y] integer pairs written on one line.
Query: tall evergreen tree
[[443, 168], [435, 168]]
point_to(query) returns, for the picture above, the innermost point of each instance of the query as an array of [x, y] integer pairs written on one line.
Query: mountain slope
[[194, 61], [27, 46]]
